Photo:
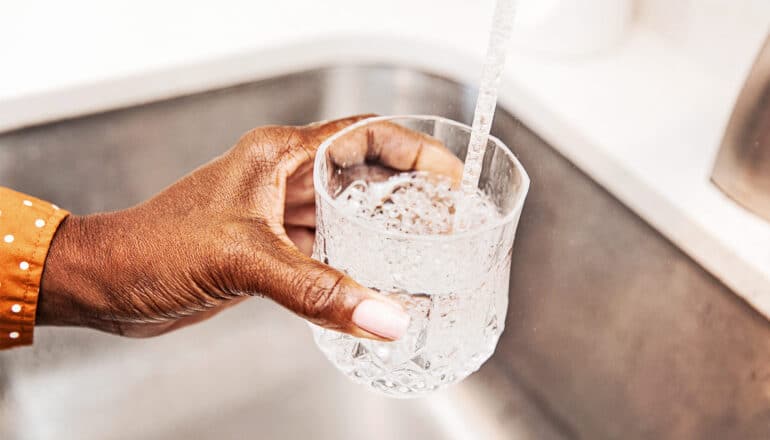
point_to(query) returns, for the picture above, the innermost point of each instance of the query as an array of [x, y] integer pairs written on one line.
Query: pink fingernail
[[381, 318]]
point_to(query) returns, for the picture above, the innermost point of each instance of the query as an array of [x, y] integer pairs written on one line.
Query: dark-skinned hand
[[241, 225]]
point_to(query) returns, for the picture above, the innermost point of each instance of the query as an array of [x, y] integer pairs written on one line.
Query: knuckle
[[320, 293], [256, 147], [267, 147]]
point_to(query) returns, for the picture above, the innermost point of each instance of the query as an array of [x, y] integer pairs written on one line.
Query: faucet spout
[[742, 168]]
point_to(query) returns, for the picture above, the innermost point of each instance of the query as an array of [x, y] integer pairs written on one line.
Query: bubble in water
[[416, 203]]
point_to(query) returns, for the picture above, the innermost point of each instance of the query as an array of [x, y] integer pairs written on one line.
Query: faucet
[[742, 167]]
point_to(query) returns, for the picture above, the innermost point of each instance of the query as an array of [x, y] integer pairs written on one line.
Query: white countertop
[[644, 119]]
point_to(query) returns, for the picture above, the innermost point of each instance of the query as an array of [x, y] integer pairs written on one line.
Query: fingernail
[[381, 318]]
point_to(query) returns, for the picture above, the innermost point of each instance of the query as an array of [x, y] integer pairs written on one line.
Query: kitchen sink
[[612, 332]]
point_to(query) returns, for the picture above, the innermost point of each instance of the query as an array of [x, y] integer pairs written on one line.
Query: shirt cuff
[[27, 226]]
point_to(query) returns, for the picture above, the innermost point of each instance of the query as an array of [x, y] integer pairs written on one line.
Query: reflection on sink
[[611, 333], [252, 373]]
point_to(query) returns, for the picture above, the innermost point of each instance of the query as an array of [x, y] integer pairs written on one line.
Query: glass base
[[415, 365]]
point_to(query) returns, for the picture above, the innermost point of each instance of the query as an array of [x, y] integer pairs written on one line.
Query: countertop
[[644, 118]]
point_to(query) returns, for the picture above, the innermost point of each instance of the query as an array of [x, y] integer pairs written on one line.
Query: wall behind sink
[[721, 35]]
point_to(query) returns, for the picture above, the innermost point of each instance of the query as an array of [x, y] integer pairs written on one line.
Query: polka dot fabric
[[27, 226]]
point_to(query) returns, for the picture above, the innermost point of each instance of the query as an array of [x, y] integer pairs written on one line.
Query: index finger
[[397, 147]]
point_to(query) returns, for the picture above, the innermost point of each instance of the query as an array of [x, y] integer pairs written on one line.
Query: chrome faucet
[[742, 168]]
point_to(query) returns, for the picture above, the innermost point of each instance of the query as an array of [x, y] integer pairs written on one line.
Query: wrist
[[70, 293]]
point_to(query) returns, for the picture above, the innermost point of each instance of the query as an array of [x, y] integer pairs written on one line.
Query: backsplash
[[721, 35]]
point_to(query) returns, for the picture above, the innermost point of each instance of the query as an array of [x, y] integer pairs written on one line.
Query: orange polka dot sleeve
[[27, 226]]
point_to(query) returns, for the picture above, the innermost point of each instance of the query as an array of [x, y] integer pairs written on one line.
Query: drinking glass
[[454, 286]]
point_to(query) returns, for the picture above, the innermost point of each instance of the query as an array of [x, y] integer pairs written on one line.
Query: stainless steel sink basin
[[612, 332]]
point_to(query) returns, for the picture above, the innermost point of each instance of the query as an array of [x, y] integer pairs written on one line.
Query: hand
[[241, 225]]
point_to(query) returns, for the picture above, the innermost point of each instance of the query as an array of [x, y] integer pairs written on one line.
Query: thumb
[[331, 299]]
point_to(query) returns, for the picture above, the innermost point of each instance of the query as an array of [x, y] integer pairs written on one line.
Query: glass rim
[[504, 220]]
